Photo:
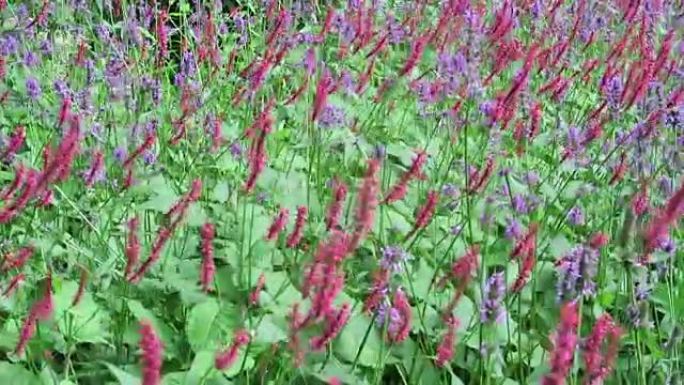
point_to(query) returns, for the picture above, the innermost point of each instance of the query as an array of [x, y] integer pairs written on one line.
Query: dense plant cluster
[[343, 192]]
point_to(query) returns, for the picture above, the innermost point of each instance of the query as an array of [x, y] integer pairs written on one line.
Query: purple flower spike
[[33, 88], [492, 309], [576, 216], [393, 258]]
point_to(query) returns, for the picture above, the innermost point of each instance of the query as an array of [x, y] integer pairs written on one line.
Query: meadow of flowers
[[342, 192]]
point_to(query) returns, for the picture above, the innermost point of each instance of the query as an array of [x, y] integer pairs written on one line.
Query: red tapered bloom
[[565, 343], [226, 358], [322, 90], [162, 35], [335, 321], [296, 235], [28, 329], [425, 212], [17, 182], [40, 311], [524, 273], [11, 210], [445, 350], [152, 351], [526, 244], [19, 261], [400, 302], [378, 290], [398, 191], [14, 143], [367, 202], [64, 111], [278, 224], [296, 323], [132, 250], [208, 268], [162, 237], [254, 295], [14, 284], [332, 218], [599, 360], [95, 170], [619, 170], [461, 273], [599, 240], [416, 53], [150, 138], [658, 226], [327, 22], [478, 179], [640, 204]]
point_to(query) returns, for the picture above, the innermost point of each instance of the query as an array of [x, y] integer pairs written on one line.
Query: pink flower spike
[[332, 218], [152, 351], [278, 224], [226, 358], [296, 236], [207, 248]]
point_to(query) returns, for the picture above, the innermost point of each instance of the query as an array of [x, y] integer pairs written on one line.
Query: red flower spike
[[599, 240], [296, 235], [367, 202], [226, 358], [335, 321], [14, 284], [398, 191], [445, 350], [425, 213], [207, 248], [599, 362], [658, 226], [254, 295], [152, 351], [332, 217], [400, 302], [278, 224], [14, 143], [565, 343]]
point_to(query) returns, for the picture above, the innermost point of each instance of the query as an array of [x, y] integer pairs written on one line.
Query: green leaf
[[201, 324], [123, 377], [559, 246], [16, 375], [85, 322], [351, 338], [268, 332], [202, 363], [221, 192], [176, 378]]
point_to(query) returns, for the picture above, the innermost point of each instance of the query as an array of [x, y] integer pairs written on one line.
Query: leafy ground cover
[[360, 192]]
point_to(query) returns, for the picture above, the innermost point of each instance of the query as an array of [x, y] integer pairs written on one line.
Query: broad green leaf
[[559, 246], [221, 192], [123, 377], [176, 378], [201, 324], [201, 364], [16, 375], [83, 322], [268, 332], [350, 340]]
